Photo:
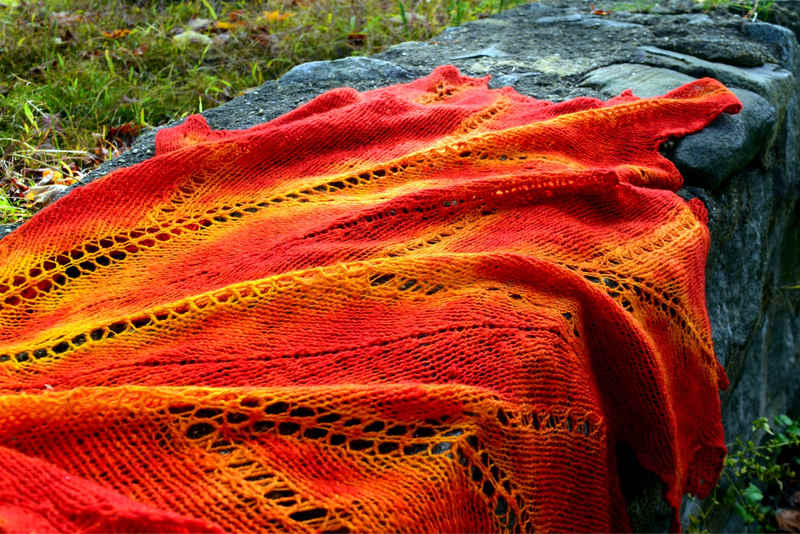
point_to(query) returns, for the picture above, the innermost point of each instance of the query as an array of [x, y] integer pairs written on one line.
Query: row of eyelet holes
[[432, 437], [85, 259], [230, 296], [645, 291]]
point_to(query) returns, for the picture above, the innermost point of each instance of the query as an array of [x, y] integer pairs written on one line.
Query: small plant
[[636, 6], [756, 476], [751, 9]]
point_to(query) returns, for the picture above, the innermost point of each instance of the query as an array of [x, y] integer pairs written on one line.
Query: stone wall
[[743, 167]]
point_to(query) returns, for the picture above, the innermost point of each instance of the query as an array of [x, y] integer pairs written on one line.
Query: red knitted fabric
[[428, 307]]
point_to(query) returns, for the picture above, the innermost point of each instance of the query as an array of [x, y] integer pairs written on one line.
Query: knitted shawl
[[428, 307]]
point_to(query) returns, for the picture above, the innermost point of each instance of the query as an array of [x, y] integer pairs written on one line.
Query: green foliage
[[210, 9], [755, 470], [636, 6], [8, 211], [73, 72], [760, 9]]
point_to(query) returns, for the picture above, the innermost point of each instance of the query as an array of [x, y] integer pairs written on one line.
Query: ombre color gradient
[[428, 307]]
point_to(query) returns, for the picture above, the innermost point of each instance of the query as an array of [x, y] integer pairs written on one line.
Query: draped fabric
[[428, 307]]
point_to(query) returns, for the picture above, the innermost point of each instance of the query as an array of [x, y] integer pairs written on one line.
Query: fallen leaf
[[73, 177], [117, 34], [235, 15], [14, 185], [265, 38], [50, 176], [596, 11], [788, 520], [223, 25], [102, 153], [276, 16], [356, 39], [42, 195], [129, 129], [55, 177], [115, 140]]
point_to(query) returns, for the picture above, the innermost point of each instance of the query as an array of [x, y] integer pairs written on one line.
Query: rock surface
[[728, 144], [744, 168]]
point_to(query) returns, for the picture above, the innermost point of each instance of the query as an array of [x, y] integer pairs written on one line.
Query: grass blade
[[403, 16], [210, 9]]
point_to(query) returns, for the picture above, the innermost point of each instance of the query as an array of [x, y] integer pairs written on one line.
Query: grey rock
[[727, 145], [781, 38], [786, 13], [771, 81], [564, 18], [681, 19], [643, 80], [408, 46], [698, 20], [602, 22], [512, 79], [708, 157], [742, 54], [343, 71], [490, 51]]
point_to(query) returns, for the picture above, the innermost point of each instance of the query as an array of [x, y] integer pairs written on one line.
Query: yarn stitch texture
[[428, 307]]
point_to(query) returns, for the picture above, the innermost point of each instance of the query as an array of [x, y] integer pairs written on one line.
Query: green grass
[[80, 78], [747, 8]]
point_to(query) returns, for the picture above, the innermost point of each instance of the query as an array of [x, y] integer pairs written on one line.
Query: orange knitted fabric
[[428, 307]]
